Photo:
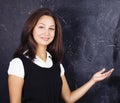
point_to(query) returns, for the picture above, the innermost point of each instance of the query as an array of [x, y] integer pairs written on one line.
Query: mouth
[[45, 38]]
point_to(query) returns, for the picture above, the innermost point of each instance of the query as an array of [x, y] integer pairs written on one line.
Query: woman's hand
[[101, 75], [71, 97]]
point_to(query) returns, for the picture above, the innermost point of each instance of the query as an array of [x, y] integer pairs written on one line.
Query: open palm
[[101, 75]]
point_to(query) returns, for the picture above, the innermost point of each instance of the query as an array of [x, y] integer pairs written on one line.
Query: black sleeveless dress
[[41, 85]]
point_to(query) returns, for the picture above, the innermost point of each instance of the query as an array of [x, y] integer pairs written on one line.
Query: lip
[[45, 38]]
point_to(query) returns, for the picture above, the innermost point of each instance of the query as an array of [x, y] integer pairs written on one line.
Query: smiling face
[[44, 31]]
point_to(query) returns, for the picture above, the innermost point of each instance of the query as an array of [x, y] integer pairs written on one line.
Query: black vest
[[41, 85]]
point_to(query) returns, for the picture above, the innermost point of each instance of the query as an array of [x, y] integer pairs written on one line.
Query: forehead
[[47, 20]]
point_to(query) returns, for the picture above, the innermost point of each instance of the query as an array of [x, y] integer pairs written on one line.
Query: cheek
[[35, 35], [53, 35], [53, 38]]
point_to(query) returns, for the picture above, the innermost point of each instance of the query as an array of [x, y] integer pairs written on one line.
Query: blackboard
[[91, 37]]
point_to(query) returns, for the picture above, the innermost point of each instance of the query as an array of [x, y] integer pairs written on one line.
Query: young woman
[[35, 74]]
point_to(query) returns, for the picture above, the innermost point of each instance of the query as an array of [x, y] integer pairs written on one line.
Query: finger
[[101, 71], [108, 73], [112, 70]]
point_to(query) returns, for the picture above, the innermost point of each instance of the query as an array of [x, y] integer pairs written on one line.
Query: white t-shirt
[[16, 66]]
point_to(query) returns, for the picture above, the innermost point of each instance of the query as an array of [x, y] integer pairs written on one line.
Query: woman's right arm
[[15, 80], [15, 85]]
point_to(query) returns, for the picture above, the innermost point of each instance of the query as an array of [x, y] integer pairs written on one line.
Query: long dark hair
[[28, 44]]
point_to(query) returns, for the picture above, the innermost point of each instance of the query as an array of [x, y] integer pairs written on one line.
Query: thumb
[[101, 71]]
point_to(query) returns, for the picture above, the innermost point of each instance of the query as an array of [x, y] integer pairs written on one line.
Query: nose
[[46, 31]]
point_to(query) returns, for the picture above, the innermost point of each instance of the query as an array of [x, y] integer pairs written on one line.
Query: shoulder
[[62, 70], [16, 61], [16, 67]]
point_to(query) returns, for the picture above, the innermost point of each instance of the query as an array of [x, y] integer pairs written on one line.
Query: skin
[[44, 33]]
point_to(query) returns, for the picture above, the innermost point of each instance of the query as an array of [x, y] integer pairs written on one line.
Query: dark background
[[91, 36]]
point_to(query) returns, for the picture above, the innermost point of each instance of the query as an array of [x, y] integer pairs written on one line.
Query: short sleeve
[[62, 70], [16, 68]]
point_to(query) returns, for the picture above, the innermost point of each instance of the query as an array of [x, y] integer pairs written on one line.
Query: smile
[[45, 38]]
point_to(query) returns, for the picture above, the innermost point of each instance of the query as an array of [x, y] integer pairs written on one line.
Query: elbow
[[69, 99]]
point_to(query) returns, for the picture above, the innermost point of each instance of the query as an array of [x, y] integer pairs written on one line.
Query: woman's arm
[[71, 97], [15, 85]]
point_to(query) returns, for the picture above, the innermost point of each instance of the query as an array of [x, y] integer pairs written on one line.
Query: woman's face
[[44, 30]]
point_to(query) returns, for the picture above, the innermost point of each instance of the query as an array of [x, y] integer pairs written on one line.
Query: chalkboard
[[91, 37]]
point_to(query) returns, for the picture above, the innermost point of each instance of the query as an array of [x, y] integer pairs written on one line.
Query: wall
[[91, 37]]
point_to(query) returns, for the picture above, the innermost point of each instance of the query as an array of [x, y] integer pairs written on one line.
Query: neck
[[41, 53]]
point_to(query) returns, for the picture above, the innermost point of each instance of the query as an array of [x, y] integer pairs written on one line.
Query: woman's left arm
[[71, 97]]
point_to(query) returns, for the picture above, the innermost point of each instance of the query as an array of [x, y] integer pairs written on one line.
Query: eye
[[52, 28], [41, 27]]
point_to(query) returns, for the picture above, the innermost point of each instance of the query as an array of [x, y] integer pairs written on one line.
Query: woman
[[35, 74]]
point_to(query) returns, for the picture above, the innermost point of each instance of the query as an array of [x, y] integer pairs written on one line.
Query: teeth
[[45, 39]]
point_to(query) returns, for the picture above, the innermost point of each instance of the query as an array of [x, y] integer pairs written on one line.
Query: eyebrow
[[44, 24]]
